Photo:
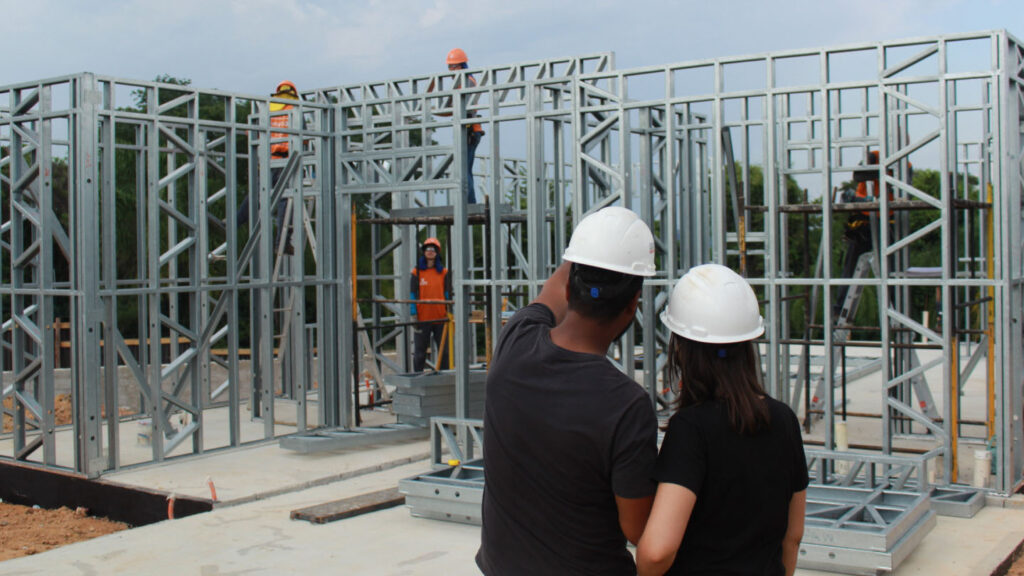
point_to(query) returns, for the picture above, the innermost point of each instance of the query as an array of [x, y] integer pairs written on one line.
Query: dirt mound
[[62, 412], [25, 531]]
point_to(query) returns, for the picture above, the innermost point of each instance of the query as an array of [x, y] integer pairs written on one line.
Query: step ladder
[[866, 263]]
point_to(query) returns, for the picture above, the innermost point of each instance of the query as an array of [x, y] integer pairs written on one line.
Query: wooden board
[[349, 507]]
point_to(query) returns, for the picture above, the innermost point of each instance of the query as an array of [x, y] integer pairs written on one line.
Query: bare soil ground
[[61, 412], [25, 530], [1017, 566]]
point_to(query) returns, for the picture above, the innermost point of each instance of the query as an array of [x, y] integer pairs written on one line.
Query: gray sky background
[[247, 46]]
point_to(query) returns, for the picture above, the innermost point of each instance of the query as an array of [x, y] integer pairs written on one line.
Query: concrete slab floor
[[250, 531]]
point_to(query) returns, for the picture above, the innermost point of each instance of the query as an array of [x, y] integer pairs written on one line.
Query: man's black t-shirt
[[743, 486], [564, 432]]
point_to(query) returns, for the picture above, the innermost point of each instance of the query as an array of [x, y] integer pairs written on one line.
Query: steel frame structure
[[708, 152], [173, 164], [399, 168]]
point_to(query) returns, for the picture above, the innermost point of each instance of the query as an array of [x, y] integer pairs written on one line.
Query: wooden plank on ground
[[349, 507]]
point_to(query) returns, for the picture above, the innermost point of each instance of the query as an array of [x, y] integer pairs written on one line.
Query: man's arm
[[633, 513], [554, 294]]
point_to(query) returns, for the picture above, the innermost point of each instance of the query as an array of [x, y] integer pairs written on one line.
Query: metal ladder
[[867, 262]]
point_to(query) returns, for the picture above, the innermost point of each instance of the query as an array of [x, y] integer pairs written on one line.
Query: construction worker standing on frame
[[430, 281], [457, 60], [571, 440], [279, 149]]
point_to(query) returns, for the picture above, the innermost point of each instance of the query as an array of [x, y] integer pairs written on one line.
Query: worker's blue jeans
[[242, 214], [472, 141]]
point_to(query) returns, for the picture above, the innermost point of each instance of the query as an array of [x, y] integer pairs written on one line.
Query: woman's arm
[[657, 549], [795, 531]]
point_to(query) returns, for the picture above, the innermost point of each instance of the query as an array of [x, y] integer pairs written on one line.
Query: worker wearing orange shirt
[[429, 281], [278, 151]]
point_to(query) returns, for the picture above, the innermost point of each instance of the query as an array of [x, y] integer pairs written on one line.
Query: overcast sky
[[247, 46]]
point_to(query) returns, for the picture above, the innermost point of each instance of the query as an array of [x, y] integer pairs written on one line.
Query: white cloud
[[246, 45], [433, 15]]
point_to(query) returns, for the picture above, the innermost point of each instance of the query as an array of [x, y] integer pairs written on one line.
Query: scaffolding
[[211, 338]]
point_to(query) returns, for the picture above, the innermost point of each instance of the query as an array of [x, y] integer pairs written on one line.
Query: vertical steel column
[[648, 310], [535, 193], [331, 254], [232, 273], [265, 285], [45, 282], [87, 309], [495, 231], [776, 246], [149, 197], [718, 183], [108, 278], [461, 249], [1009, 169]]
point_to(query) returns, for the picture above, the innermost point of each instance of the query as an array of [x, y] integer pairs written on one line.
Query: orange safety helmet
[[457, 56], [287, 87], [432, 242]]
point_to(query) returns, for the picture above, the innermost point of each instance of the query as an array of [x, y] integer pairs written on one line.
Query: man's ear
[[635, 302]]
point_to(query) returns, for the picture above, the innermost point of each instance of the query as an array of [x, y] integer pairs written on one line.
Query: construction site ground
[[250, 531]]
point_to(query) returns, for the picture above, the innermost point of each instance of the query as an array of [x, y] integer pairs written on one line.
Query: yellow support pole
[[447, 341], [450, 328]]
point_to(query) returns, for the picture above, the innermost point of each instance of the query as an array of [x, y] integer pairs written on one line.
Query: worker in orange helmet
[[429, 281], [286, 90], [457, 60], [278, 151]]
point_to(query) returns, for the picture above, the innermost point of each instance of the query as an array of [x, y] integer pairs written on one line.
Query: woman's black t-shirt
[[743, 486]]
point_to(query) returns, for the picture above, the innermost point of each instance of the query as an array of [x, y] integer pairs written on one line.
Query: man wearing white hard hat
[[571, 440]]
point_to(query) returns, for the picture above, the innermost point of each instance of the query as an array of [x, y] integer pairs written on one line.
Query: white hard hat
[[615, 239], [713, 304]]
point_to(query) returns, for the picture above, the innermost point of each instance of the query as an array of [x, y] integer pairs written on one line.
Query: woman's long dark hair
[[726, 373]]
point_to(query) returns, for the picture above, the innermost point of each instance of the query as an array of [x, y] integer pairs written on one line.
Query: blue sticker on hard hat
[[594, 292]]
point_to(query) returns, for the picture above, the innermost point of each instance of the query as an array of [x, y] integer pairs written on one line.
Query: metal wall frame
[[174, 164], [399, 170], [794, 116]]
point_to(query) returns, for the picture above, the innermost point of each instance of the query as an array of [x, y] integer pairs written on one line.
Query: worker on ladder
[[279, 150], [430, 281], [860, 239]]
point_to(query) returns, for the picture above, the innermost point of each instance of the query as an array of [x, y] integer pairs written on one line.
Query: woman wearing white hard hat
[[732, 476]]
